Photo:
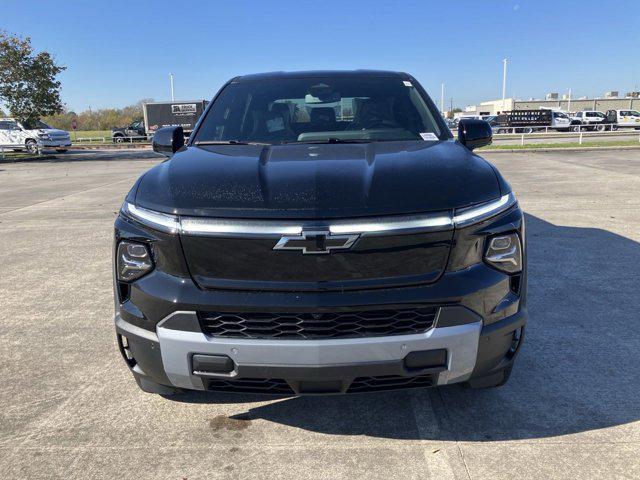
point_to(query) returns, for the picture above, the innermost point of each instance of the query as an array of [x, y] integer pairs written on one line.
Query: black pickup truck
[[320, 233]]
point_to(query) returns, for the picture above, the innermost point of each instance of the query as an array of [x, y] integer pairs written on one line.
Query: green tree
[[28, 84], [103, 119]]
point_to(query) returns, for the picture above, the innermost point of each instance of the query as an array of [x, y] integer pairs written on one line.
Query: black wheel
[[61, 150], [575, 128], [118, 139], [600, 128], [614, 128], [32, 146]]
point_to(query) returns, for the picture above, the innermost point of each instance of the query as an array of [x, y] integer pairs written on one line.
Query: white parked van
[[13, 135]]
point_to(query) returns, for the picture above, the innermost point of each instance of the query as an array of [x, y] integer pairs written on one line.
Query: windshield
[[36, 125], [329, 109]]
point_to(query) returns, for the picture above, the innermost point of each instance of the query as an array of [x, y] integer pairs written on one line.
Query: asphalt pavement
[[70, 409]]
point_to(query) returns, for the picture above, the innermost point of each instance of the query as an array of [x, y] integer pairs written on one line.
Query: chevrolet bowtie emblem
[[316, 242]]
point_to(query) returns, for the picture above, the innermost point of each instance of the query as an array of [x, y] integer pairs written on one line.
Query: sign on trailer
[[183, 114]]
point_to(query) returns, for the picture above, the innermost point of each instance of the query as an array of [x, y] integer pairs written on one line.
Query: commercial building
[[608, 102]]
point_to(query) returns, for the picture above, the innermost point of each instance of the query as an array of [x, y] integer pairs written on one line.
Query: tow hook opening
[[123, 345], [516, 341]]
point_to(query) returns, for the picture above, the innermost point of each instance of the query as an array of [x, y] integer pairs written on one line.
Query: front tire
[[118, 139], [31, 146]]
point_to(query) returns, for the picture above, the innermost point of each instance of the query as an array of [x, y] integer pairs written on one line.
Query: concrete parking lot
[[70, 409]]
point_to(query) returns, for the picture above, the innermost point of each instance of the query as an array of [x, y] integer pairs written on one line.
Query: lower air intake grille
[[389, 382], [307, 325], [281, 387], [250, 385]]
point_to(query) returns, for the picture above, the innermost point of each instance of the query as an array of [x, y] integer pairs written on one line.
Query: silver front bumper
[[177, 346], [55, 143]]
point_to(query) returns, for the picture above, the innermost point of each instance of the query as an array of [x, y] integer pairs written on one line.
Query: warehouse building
[[610, 101]]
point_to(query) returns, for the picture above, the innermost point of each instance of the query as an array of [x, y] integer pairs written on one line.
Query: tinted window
[[5, 125], [318, 109], [37, 125]]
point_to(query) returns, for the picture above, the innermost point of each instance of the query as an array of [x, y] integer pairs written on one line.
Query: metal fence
[[120, 139]]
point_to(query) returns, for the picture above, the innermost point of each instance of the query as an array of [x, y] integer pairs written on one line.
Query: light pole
[[442, 99], [171, 82], [569, 102], [504, 81]]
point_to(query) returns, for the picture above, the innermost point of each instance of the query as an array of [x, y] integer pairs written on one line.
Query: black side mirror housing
[[474, 133], [168, 140]]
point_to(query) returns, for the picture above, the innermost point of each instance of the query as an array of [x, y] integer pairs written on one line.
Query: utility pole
[[451, 105], [504, 81], [569, 101], [442, 99], [171, 81]]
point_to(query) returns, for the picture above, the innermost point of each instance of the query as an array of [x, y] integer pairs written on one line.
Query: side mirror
[[168, 140], [474, 133]]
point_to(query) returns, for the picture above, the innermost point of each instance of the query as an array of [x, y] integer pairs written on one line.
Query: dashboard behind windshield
[[319, 109]]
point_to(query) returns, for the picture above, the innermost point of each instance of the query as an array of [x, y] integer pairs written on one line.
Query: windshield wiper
[[227, 142], [335, 140]]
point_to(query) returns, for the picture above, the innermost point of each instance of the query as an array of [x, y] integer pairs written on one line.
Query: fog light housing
[[504, 252], [134, 261]]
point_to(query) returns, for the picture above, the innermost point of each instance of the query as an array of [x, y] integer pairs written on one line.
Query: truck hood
[[53, 131], [318, 180]]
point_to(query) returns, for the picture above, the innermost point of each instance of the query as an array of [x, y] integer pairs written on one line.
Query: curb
[[111, 146], [560, 149], [37, 158]]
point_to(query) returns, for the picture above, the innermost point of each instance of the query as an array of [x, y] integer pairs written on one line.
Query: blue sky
[[118, 52]]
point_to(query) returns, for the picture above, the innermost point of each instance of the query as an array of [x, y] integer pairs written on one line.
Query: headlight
[[504, 252], [478, 213], [133, 261], [161, 221]]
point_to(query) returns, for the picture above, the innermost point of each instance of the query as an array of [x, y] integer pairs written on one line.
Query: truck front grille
[[250, 385], [389, 382], [277, 386], [321, 325]]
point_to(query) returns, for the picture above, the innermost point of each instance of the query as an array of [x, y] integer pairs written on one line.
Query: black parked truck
[[320, 233], [528, 121], [157, 115]]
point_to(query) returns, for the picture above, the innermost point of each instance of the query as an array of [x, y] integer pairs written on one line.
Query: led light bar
[[395, 224], [232, 227], [221, 226], [161, 221], [484, 211]]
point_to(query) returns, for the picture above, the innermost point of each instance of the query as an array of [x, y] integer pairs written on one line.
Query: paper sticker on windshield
[[275, 124], [407, 83], [428, 136]]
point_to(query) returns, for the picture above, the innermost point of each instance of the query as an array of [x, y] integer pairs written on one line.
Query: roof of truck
[[321, 73]]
